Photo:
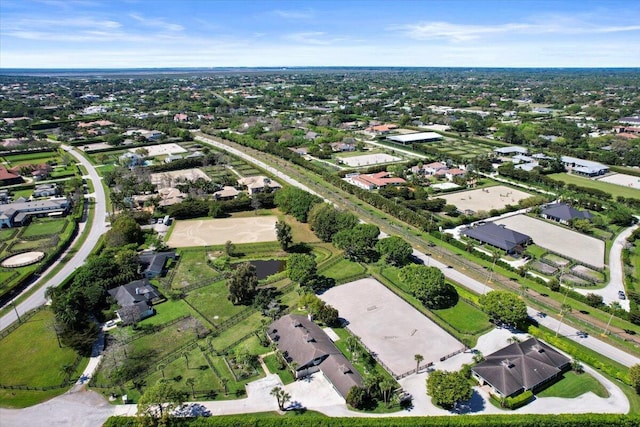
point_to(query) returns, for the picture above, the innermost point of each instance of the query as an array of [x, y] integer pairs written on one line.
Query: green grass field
[[30, 356], [212, 302], [44, 227], [274, 367], [573, 385], [465, 318], [192, 269], [613, 189], [343, 269]]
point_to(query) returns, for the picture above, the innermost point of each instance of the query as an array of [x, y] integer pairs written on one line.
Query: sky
[[287, 33]]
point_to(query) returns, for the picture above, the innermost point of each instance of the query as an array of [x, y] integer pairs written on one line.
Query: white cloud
[[156, 23], [294, 14]]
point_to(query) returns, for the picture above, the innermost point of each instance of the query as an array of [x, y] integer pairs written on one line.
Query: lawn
[[343, 269], [229, 337], [7, 234], [44, 227], [30, 356], [613, 189], [212, 302], [164, 342], [466, 318], [573, 385], [31, 245], [192, 269], [167, 311], [273, 364]]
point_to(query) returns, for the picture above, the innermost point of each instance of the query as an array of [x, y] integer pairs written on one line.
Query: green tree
[[325, 220], [191, 382], [394, 250], [448, 388], [281, 396], [505, 307], [159, 401], [634, 376], [124, 230], [358, 243], [283, 233], [297, 202], [357, 397], [242, 284], [301, 268], [429, 286], [418, 358]]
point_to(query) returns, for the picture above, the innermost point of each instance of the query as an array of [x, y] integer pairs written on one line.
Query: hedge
[[519, 400], [318, 420]]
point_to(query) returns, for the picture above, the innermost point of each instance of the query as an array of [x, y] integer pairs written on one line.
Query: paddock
[[622, 179], [561, 240], [389, 326], [208, 232], [485, 199], [161, 150]]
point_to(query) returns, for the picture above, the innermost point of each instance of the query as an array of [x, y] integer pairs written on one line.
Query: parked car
[[621, 295]]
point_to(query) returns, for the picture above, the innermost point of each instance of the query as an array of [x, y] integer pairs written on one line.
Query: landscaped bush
[[519, 400]]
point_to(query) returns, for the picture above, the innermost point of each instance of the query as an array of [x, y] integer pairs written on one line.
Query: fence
[[23, 318]]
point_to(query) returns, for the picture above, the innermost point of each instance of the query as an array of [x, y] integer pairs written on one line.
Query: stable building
[[498, 236], [564, 213], [414, 138]]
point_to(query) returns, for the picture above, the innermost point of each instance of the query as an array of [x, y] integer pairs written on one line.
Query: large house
[[257, 184], [519, 367], [304, 343], [135, 300], [19, 212], [564, 213], [584, 167], [499, 236], [45, 190], [372, 181], [8, 177]]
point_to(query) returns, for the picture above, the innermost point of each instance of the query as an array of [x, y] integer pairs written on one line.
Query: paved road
[[616, 271], [452, 274], [98, 227]]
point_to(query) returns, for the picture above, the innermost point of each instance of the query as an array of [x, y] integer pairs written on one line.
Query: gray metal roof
[[497, 235], [563, 211]]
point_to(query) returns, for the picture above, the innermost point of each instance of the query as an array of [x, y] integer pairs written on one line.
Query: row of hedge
[[317, 420]]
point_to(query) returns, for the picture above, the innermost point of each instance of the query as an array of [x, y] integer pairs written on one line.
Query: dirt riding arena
[[622, 179], [161, 150], [389, 326], [485, 199], [569, 243], [206, 232], [169, 178], [369, 159]]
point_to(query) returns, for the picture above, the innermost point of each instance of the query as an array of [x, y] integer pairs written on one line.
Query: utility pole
[[13, 303]]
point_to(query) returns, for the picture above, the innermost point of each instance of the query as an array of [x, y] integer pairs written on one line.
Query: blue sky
[[220, 33]]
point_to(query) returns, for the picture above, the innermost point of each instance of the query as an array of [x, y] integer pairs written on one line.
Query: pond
[[266, 268]]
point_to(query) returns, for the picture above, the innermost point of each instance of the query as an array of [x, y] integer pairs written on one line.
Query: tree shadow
[[473, 405], [300, 248]]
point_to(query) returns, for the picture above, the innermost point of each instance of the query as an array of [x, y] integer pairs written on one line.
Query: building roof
[[134, 292], [512, 149], [521, 366], [584, 166], [258, 182], [227, 191], [154, 261], [379, 179], [303, 342], [565, 212], [6, 175], [497, 235], [415, 137]]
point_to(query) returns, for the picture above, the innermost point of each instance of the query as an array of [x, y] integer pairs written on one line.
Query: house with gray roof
[[499, 236], [153, 263], [304, 343], [136, 300], [584, 167], [511, 150], [520, 366], [564, 213]]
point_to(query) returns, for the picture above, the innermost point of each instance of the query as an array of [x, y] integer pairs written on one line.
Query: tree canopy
[[504, 306], [394, 250], [124, 230], [283, 234], [358, 242], [301, 268], [242, 284], [429, 286], [325, 220], [297, 202], [448, 388], [160, 400]]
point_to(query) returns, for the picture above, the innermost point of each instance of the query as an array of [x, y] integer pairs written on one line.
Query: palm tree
[[418, 358], [386, 386], [513, 339], [281, 396], [224, 382], [191, 383], [67, 370]]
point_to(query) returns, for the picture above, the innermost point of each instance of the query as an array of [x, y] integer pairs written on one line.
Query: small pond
[[266, 268]]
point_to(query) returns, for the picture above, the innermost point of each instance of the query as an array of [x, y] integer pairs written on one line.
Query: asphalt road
[[98, 227], [453, 274]]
